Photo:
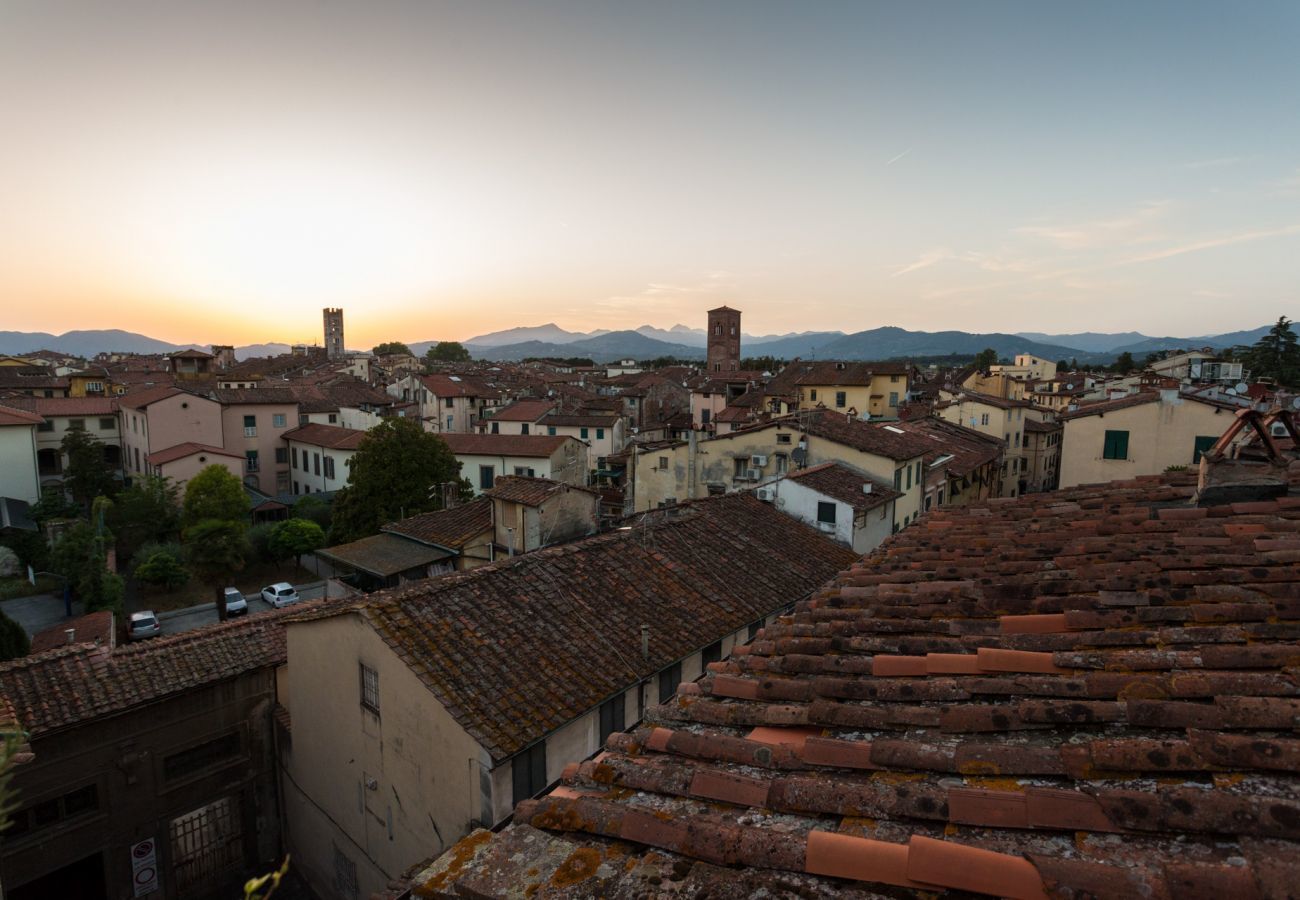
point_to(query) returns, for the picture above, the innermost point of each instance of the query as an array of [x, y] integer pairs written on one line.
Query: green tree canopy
[[216, 548], [1124, 363], [149, 510], [13, 640], [162, 569], [294, 537], [1276, 355], [313, 509], [394, 472], [88, 474], [447, 351], [388, 348], [73, 554], [986, 358], [214, 493]]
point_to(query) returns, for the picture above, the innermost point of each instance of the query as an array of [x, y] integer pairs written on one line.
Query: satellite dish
[[1295, 404], [1242, 387], [1069, 386], [1232, 391]]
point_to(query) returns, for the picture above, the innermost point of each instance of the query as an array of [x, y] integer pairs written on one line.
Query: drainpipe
[[690, 467]]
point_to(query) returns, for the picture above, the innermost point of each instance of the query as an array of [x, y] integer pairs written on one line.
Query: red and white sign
[[144, 867]]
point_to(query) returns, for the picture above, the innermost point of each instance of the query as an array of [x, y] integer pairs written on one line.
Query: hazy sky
[[218, 172]]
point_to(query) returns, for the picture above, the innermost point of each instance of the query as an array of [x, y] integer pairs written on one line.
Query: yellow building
[[1001, 418], [1144, 434], [875, 389]]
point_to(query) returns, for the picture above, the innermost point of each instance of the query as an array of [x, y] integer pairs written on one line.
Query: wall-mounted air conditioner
[[753, 474], [766, 494], [758, 460]]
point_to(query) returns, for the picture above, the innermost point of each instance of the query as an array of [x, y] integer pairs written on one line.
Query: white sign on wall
[[144, 867]]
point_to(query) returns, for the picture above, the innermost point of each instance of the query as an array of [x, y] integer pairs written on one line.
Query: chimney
[[72, 635], [1227, 477], [866, 488]]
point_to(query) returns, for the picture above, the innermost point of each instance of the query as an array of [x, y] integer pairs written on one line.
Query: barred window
[[369, 688]]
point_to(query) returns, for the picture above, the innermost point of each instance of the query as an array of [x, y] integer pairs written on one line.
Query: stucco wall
[[1161, 434], [18, 478]]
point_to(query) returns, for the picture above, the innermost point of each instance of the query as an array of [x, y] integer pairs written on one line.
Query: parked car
[[280, 594], [143, 625], [236, 605]]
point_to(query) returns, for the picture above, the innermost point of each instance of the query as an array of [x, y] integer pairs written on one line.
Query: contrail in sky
[[899, 156]]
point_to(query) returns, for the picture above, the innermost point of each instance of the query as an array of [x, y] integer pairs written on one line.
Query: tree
[[1276, 355], [215, 516], [149, 510], [54, 504], [88, 475], [294, 537], [389, 348], [162, 569], [13, 639], [73, 554], [395, 472], [986, 358], [1124, 363], [1061, 365], [447, 351], [214, 494], [313, 509]]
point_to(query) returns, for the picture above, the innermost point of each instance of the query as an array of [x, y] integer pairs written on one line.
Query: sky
[[219, 172]]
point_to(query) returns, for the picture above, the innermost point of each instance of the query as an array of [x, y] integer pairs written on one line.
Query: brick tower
[[334, 333], [724, 339]]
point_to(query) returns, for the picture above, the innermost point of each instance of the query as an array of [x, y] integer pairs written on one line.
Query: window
[[451, 422], [315, 462], [1006, 439], [250, 426], [449, 403], [600, 434], [76, 424], [550, 429], [669, 678], [984, 419], [528, 772], [281, 455], [582, 433], [329, 467], [898, 479], [496, 427], [523, 429], [710, 654], [295, 487], [753, 629], [1115, 445], [486, 477], [94, 387], [825, 512], [841, 398], [206, 845], [1017, 438], [48, 812], [663, 463], [909, 478], [893, 398], [333, 418], [250, 460], [525, 471], [612, 717], [705, 415], [893, 379], [107, 424], [782, 463], [46, 425], [740, 467], [201, 757], [918, 473], [369, 688], [783, 438], [812, 395], [1202, 443]]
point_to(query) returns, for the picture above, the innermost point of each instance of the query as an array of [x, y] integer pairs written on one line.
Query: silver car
[[143, 625], [236, 605], [280, 594]]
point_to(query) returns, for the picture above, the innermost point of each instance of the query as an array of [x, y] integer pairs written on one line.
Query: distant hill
[[1140, 349], [549, 333], [891, 342], [86, 343], [1088, 341], [251, 350], [614, 345]]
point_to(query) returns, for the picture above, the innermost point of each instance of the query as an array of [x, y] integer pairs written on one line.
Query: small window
[[250, 460], [329, 467], [278, 420], [826, 512], [450, 403], [812, 395], [76, 424], [46, 425], [486, 477], [841, 399], [525, 471], [315, 462], [984, 419], [582, 433], [550, 430], [754, 628], [612, 717], [898, 479], [523, 429], [663, 463], [107, 424], [600, 434], [281, 455], [250, 426], [893, 398], [1115, 445], [369, 689], [669, 678], [333, 418], [451, 423], [496, 427], [711, 654], [909, 478], [783, 438]]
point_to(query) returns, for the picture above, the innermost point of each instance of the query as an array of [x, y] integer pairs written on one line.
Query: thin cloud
[[899, 156], [927, 259], [1211, 243], [1133, 228]]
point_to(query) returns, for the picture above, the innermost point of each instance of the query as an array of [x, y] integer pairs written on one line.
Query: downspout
[[690, 467]]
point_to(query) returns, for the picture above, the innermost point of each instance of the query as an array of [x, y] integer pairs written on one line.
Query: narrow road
[[179, 620]]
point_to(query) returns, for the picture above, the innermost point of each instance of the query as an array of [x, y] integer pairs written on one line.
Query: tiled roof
[[895, 441], [1139, 399], [331, 436], [965, 448], [528, 491], [261, 396], [66, 687], [523, 411], [142, 398], [846, 484], [12, 416], [844, 374], [589, 419], [516, 649], [452, 528], [189, 448], [534, 445], [92, 628], [456, 386], [1085, 693], [1041, 427], [990, 400], [383, 554], [67, 406]]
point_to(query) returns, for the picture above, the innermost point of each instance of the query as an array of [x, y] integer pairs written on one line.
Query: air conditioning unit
[[766, 494], [866, 488], [753, 474], [826, 526], [758, 460]]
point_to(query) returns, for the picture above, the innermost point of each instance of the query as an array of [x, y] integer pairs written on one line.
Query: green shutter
[[1115, 445]]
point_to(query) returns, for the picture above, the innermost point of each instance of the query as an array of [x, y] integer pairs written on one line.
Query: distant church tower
[[724, 339], [334, 333]]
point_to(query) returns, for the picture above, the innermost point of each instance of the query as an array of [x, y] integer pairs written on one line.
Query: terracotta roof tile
[[844, 483], [530, 445], [331, 436], [1063, 694], [528, 491], [451, 528]]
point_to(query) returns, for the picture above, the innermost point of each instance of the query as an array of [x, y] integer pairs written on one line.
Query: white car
[[236, 605], [280, 594], [143, 625]]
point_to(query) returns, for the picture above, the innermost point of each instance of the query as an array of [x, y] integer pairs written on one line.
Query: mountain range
[[688, 343]]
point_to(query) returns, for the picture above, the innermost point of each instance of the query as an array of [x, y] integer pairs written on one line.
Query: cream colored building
[[419, 714], [998, 417], [1144, 434], [1027, 367], [18, 478], [875, 389], [749, 457]]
